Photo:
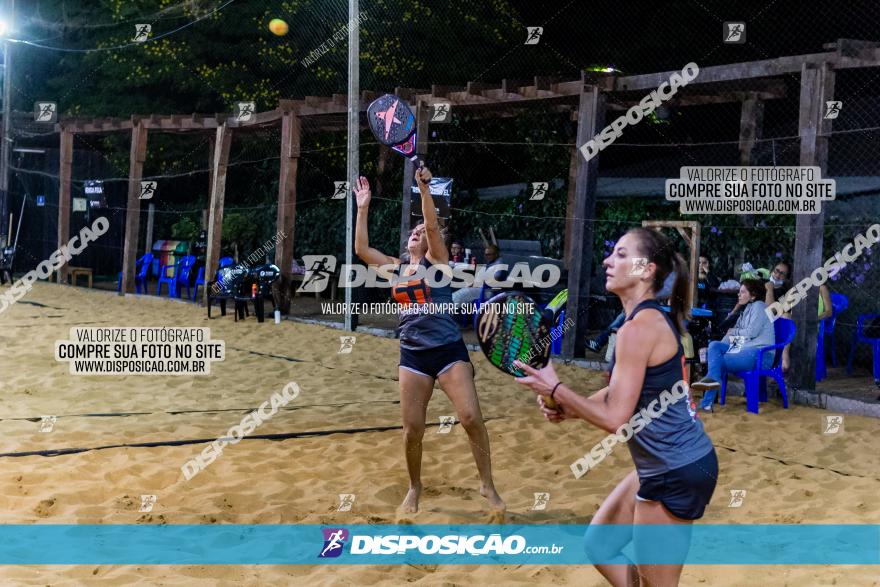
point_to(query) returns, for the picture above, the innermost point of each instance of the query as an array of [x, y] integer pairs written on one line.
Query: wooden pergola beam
[[133, 207], [66, 162], [222, 145], [864, 57]]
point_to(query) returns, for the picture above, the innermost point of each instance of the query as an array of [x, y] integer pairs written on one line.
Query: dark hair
[[754, 287], [787, 265], [658, 250], [495, 248]]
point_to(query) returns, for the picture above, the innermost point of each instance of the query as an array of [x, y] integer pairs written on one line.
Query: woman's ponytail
[[659, 250]]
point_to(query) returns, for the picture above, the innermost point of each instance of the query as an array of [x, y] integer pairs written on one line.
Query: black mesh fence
[[207, 56]]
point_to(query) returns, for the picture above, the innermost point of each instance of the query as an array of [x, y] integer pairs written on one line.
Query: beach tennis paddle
[[511, 328], [393, 124]]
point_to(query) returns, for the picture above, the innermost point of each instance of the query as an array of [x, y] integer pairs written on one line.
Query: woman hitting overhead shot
[[431, 347], [675, 464]]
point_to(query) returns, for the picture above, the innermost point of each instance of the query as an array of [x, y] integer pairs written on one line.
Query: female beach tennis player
[[431, 347], [675, 464]]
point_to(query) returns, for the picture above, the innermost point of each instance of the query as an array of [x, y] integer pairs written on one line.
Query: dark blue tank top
[[422, 323], [676, 438]]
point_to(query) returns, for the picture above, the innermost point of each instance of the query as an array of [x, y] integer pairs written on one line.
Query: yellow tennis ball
[[278, 27]]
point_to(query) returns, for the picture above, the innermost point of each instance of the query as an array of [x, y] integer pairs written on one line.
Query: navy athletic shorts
[[685, 491], [433, 362]]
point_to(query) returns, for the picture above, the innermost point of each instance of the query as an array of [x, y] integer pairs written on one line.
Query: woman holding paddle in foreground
[[675, 464], [431, 347]]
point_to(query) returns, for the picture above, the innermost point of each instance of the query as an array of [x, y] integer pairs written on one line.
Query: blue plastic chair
[[184, 270], [839, 303], [170, 280], [756, 379], [142, 273], [860, 338], [200, 278]]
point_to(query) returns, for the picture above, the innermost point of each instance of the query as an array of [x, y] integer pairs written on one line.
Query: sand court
[[121, 437]]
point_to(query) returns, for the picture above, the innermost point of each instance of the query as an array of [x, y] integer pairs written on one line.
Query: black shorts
[[433, 362], [685, 491]]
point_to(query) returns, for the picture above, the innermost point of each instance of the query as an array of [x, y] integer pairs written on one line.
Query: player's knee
[[602, 546], [469, 421], [413, 431]]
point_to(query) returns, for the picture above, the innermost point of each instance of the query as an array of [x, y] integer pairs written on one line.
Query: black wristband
[[552, 393]]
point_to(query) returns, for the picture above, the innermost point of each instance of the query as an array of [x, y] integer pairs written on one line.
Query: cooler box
[[167, 252]]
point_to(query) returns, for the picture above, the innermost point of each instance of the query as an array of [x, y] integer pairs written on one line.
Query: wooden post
[[151, 213], [218, 193], [133, 207], [579, 253], [291, 132], [66, 160], [211, 144], [751, 124], [817, 86], [570, 207], [422, 116]]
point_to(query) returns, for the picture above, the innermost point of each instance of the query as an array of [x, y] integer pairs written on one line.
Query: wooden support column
[[291, 132], [571, 206], [422, 116], [66, 160], [211, 143], [133, 207], [751, 124], [817, 86], [151, 215], [579, 252], [218, 194]]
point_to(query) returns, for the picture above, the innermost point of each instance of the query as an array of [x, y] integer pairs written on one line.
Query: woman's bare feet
[[495, 502], [410, 503]]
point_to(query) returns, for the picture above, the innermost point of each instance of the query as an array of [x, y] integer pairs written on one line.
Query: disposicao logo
[[334, 542]]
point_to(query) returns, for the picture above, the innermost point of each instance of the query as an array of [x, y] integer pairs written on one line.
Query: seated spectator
[[706, 281], [492, 254], [456, 252], [468, 295], [737, 350], [778, 284]]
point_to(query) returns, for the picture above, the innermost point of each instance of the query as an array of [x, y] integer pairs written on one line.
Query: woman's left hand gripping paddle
[[542, 382]]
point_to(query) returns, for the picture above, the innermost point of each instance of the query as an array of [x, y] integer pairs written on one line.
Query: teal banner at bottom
[[462, 544]]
